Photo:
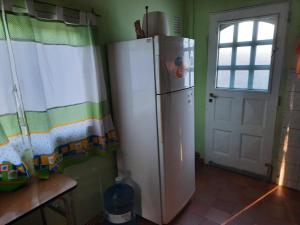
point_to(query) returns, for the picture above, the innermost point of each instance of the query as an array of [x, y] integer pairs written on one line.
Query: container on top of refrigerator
[[157, 24]]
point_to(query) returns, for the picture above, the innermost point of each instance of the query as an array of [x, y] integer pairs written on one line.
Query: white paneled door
[[246, 49]]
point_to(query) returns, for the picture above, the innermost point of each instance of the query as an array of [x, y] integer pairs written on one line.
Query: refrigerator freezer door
[[177, 150], [174, 63]]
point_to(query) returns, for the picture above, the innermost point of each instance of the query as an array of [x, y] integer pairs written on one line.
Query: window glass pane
[[223, 80], [263, 55], [185, 43], [192, 78], [243, 55], [192, 58], [186, 59], [226, 34], [192, 43], [261, 79], [241, 79], [225, 56], [265, 31], [245, 31]]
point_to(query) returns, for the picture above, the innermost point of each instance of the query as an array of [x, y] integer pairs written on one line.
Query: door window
[[245, 54]]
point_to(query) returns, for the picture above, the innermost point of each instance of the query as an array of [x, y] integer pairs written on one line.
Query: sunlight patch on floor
[[250, 206]]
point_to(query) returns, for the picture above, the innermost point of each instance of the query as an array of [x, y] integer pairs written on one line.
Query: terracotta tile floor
[[224, 197]]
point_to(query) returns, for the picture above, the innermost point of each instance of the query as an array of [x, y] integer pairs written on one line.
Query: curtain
[[12, 143], [9, 124], [60, 109]]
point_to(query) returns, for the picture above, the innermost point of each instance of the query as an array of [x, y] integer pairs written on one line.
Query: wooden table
[[37, 195]]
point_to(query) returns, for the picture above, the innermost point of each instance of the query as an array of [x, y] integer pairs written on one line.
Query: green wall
[[196, 25], [119, 16]]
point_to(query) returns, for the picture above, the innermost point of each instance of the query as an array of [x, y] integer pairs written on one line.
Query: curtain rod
[[48, 3]]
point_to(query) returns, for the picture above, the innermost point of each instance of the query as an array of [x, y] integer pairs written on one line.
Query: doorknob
[[212, 95]]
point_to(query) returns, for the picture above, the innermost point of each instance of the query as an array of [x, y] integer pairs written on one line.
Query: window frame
[[252, 44]]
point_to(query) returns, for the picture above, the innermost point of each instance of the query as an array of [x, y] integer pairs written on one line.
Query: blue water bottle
[[119, 203]]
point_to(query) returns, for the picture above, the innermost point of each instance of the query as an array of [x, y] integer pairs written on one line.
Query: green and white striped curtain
[[52, 90]]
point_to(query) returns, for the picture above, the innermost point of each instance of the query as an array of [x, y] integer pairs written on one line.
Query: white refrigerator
[[152, 86]]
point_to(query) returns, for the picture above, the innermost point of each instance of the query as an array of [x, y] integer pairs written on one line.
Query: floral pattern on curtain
[[62, 88]]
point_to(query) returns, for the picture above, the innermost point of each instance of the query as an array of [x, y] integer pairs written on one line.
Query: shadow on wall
[[91, 175]]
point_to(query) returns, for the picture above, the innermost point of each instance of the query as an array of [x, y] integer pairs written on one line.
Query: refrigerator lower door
[[177, 150], [174, 63]]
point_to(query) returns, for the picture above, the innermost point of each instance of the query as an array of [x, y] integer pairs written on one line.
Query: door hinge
[[289, 16], [279, 100], [269, 171]]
